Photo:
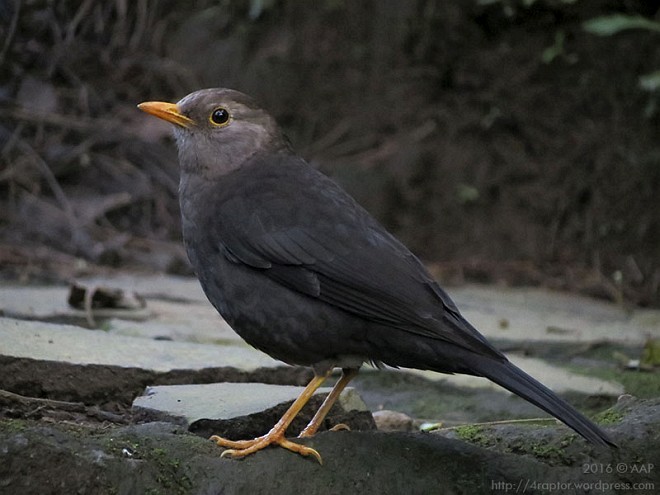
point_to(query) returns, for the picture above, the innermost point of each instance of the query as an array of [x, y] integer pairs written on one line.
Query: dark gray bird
[[305, 274]]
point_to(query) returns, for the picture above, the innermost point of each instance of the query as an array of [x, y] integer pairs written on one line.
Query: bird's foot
[[241, 448]]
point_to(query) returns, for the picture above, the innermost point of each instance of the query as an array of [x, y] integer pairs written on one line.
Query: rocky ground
[[113, 386]]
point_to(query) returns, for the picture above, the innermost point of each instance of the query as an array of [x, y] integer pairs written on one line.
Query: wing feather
[[327, 247]]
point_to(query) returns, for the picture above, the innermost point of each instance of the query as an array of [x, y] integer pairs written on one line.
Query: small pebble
[[392, 421]]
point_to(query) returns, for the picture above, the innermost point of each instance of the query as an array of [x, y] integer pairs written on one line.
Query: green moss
[[552, 452], [169, 470], [13, 425], [651, 354], [472, 433], [544, 451], [116, 446], [609, 417], [556, 452]]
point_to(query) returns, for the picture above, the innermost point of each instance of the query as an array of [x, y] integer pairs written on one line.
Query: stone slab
[[56, 342], [157, 286], [176, 309], [560, 380], [186, 404], [50, 304], [530, 314]]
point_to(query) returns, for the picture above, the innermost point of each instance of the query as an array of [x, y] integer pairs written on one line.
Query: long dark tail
[[512, 378]]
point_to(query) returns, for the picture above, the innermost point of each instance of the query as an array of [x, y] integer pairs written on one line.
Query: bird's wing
[[310, 236]]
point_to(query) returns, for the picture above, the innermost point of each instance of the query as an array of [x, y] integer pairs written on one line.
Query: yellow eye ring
[[220, 117]]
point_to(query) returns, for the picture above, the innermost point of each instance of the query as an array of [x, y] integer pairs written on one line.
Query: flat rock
[[528, 314], [176, 309], [157, 286], [180, 321], [70, 363], [54, 342], [243, 406], [186, 404], [560, 380], [50, 304]]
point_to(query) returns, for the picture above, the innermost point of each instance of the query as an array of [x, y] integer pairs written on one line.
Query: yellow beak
[[166, 111]]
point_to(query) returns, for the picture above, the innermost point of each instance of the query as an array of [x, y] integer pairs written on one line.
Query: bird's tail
[[514, 379]]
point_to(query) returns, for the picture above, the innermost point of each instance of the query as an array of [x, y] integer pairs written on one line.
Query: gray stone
[[186, 404], [392, 421], [544, 315], [163, 287], [69, 363], [244, 410], [560, 380], [47, 304], [176, 309], [54, 342]]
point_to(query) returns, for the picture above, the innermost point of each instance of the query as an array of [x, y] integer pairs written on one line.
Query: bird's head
[[217, 130]]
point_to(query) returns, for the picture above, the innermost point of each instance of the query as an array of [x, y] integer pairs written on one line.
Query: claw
[[340, 427], [228, 453], [301, 449]]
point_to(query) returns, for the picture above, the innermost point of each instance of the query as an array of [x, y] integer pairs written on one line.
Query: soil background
[[501, 140]]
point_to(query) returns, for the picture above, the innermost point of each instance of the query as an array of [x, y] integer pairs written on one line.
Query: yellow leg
[[346, 376], [242, 448]]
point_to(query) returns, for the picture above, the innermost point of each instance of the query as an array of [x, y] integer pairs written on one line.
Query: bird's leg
[[347, 374], [242, 448]]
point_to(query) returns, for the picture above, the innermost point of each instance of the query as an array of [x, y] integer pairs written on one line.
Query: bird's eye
[[220, 117]]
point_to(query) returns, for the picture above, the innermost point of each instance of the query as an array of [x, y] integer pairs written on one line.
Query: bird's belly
[[287, 325]]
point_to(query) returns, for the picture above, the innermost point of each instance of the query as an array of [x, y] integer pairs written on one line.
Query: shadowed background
[[511, 141]]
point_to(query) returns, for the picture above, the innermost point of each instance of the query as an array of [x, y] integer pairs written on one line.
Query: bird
[[305, 274]]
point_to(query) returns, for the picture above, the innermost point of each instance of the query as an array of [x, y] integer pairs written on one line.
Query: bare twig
[[75, 122], [11, 31], [89, 312], [140, 25], [80, 15], [54, 186], [42, 403]]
